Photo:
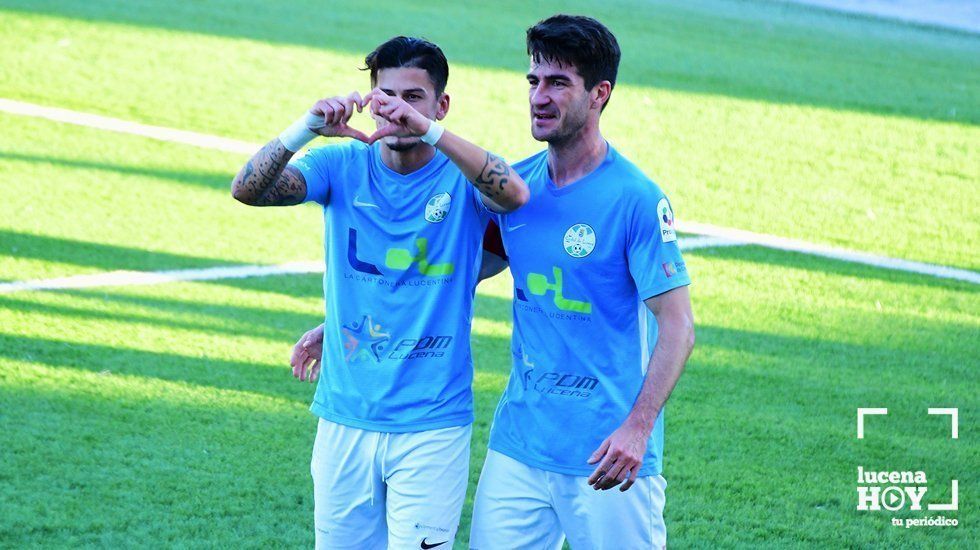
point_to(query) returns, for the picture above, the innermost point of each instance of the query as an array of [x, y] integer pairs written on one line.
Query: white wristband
[[432, 135], [299, 133]]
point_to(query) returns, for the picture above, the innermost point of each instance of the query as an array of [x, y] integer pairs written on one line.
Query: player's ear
[[600, 94], [443, 108]]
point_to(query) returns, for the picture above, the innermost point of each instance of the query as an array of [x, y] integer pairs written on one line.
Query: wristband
[[299, 133], [432, 135]]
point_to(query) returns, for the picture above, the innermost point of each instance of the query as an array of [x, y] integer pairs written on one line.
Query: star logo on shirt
[[364, 340]]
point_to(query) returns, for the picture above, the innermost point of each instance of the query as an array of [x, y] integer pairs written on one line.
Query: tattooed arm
[[266, 180], [502, 190]]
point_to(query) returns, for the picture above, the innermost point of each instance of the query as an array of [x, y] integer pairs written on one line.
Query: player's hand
[[336, 113], [306, 355], [620, 457], [394, 116]]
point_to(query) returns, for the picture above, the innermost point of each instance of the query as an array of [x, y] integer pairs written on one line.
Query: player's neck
[[406, 162], [575, 158]]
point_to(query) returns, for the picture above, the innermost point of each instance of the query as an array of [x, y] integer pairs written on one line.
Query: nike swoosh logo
[[427, 546], [364, 204], [515, 227]]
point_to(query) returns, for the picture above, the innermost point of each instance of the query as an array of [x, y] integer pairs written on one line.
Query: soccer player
[[403, 227], [602, 322]]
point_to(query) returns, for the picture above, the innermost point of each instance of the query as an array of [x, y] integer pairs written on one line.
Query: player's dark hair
[[406, 51], [579, 41]]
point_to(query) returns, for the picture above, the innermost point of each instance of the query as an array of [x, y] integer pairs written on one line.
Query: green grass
[[769, 117], [165, 415]]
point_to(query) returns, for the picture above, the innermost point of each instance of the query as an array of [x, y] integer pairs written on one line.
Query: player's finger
[[370, 95], [317, 108], [382, 132], [632, 479], [369, 98], [328, 112], [348, 105], [597, 454], [357, 100], [296, 359], [601, 470], [614, 477], [356, 134], [338, 111], [314, 370]]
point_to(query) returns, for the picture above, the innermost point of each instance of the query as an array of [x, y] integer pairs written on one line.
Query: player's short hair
[[407, 51], [579, 41]]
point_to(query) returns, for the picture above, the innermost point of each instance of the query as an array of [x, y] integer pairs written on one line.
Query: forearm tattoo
[[493, 177], [266, 180]]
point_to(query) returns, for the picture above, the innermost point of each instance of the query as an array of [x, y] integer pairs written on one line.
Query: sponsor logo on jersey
[[437, 208], [402, 259], [579, 240], [539, 285], [565, 384], [666, 218], [366, 339], [399, 259]]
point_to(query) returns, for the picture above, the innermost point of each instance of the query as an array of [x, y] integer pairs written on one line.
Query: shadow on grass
[[238, 375], [772, 52], [91, 254], [211, 180], [228, 320], [108, 257]]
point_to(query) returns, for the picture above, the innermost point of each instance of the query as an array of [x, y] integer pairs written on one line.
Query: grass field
[[165, 416]]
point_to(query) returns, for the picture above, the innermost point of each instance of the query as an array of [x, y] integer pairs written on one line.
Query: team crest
[[579, 240], [437, 208], [666, 218]]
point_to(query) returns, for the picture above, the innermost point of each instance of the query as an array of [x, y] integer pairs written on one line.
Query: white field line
[[129, 278], [793, 245], [723, 233], [126, 127]]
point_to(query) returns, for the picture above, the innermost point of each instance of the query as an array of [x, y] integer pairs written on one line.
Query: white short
[[518, 506], [388, 490]]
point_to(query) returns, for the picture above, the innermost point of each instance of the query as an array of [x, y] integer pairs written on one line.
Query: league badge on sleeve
[[666, 218]]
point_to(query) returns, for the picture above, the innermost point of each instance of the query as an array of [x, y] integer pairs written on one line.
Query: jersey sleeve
[[317, 165], [654, 258]]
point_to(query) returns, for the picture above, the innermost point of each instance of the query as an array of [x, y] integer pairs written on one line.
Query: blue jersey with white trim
[[583, 257], [402, 259]]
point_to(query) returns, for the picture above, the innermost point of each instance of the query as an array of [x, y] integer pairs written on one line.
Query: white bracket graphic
[[954, 504], [861, 413], [954, 420]]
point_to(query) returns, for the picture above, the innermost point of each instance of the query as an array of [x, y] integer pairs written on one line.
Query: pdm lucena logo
[[367, 339]]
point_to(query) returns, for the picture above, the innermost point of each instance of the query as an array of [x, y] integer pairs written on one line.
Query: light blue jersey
[[584, 257], [403, 255]]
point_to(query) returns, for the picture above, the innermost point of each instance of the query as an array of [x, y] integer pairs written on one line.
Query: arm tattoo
[[266, 180], [493, 177]]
